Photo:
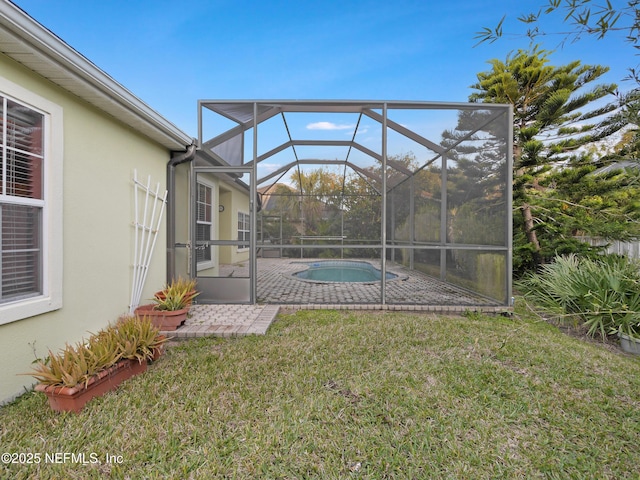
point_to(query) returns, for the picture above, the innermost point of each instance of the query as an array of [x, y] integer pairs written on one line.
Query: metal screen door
[[222, 223]]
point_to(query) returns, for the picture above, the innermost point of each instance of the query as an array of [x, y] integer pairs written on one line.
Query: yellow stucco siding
[[234, 200], [100, 155], [239, 204]]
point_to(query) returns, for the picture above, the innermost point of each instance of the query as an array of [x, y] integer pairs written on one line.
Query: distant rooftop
[[622, 165]]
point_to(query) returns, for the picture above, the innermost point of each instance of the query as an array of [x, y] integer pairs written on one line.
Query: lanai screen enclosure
[[418, 189]]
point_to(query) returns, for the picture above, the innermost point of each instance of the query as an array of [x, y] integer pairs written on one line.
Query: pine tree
[[549, 128]]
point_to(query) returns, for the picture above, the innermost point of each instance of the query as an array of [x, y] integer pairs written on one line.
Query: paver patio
[[276, 285], [277, 288]]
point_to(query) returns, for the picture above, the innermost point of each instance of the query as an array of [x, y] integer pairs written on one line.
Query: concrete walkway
[[226, 321]]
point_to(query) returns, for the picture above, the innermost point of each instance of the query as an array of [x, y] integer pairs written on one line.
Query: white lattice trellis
[[146, 224]]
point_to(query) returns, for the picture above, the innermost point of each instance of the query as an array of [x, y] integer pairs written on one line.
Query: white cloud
[[269, 167], [328, 126]]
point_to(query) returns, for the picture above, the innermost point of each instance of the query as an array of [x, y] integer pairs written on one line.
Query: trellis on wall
[[149, 205]]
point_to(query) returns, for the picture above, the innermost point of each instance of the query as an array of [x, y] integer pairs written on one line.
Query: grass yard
[[337, 394]]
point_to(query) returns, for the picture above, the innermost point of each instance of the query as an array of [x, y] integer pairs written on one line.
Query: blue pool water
[[342, 271]]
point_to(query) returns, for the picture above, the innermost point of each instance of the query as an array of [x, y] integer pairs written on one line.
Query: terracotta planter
[[158, 351], [165, 320], [65, 399]]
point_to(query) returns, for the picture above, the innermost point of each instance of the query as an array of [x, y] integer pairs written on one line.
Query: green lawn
[[330, 395]]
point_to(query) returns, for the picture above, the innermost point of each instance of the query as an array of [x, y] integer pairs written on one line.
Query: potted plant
[[171, 304], [139, 339], [182, 289], [628, 329], [86, 370], [629, 344]]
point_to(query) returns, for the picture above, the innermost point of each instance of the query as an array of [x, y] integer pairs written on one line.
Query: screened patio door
[[221, 226]]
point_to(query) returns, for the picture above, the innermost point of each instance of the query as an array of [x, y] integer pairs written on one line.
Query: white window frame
[[52, 204], [243, 249], [201, 182]]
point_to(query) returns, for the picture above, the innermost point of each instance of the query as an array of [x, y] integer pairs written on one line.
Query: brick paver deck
[[276, 285], [411, 291]]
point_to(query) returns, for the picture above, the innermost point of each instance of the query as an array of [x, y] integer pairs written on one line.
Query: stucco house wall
[[235, 201], [90, 202]]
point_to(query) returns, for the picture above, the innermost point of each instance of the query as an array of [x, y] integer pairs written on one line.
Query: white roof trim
[[37, 48]]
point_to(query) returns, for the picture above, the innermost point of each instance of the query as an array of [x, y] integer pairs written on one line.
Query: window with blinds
[[243, 230], [204, 221], [21, 201]]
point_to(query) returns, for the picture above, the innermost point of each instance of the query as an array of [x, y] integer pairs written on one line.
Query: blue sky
[[172, 53]]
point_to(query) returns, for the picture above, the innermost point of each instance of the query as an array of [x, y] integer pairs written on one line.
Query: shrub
[[603, 293]]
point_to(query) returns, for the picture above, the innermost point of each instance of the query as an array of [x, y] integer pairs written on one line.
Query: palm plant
[[603, 294]]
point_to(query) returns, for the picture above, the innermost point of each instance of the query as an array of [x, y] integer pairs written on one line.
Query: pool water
[[342, 271]]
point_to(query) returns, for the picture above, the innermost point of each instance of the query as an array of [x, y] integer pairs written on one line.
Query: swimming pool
[[342, 271]]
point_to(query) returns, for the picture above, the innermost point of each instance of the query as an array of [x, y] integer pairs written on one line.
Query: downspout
[[176, 159]]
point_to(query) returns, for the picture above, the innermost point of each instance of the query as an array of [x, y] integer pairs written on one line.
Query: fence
[[629, 249]]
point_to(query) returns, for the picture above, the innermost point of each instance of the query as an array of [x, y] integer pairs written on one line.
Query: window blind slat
[[21, 177], [204, 221], [23, 128], [22, 151], [20, 259]]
